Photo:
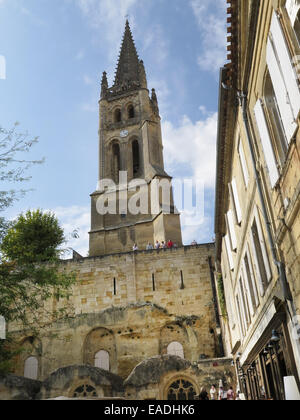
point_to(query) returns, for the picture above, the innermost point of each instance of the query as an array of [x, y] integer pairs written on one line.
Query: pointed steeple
[[128, 69]]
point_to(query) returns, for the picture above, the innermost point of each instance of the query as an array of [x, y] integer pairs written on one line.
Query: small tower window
[[136, 158], [131, 112], [116, 162], [117, 115]]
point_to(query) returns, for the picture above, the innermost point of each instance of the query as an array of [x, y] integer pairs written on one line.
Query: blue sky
[[56, 51]]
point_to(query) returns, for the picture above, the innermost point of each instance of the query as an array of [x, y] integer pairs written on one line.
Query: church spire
[[128, 69]]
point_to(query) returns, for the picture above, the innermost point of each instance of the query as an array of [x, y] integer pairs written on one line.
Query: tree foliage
[[31, 275]]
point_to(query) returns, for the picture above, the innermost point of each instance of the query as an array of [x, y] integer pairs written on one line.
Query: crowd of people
[[160, 245], [218, 395]]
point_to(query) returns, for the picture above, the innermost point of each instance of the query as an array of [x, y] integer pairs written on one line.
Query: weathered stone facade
[[257, 212]]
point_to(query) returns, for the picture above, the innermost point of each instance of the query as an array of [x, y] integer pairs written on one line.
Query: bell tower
[[130, 153]]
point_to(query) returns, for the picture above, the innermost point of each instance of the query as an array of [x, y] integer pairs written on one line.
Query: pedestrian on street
[[203, 395], [213, 393], [230, 394]]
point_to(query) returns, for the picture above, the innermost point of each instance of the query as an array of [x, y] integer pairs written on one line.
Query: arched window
[[117, 115], [131, 113], [280, 144], [85, 391], [116, 163], [135, 158], [181, 390], [102, 360], [31, 368], [175, 349]]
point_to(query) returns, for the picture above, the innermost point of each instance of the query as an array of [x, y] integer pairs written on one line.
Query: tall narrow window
[[283, 76], [242, 327], [231, 229], [153, 283], [229, 253], [244, 164], [245, 302], [31, 368], [117, 115], [297, 27], [251, 283], [115, 287], [131, 112], [116, 164], [237, 206], [102, 360], [275, 120], [266, 143], [136, 158], [259, 259], [182, 280]]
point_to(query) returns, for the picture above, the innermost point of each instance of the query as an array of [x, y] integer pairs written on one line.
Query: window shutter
[[266, 143], [247, 288], [244, 164], [243, 309], [263, 246], [229, 253], [232, 230], [252, 276], [287, 67], [236, 201], [256, 265], [281, 93]]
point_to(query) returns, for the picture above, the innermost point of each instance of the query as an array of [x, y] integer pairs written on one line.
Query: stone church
[[144, 323]]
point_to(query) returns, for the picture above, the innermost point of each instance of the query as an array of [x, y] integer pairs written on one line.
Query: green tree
[[30, 247]]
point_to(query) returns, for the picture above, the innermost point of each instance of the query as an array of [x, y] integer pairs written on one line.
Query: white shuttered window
[[231, 227], [236, 201], [244, 164], [266, 143], [286, 64], [281, 93]]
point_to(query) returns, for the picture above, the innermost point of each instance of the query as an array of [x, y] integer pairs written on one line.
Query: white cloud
[[107, 15], [211, 19], [192, 143]]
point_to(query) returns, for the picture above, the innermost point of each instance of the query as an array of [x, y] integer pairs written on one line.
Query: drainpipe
[[279, 264]]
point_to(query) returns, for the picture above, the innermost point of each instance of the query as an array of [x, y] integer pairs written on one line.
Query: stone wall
[[132, 306]]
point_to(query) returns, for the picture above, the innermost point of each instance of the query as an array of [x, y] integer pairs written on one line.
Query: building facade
[[257, 219]]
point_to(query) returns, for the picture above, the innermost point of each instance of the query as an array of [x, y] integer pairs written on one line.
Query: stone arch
[[81, 382], [174, 333], [100, 339]]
